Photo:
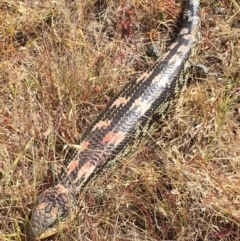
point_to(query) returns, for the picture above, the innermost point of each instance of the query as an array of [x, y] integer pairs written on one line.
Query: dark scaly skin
[[128, 117]]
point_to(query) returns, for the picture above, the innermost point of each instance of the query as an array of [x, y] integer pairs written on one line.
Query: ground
[[61, 63]]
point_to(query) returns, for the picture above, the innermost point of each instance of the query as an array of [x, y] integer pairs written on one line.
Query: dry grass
[[61, 62]]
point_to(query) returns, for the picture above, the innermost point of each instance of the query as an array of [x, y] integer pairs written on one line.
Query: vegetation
[[62, 61]]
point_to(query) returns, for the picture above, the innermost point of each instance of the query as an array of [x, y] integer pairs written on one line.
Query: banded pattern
[[123, 123]]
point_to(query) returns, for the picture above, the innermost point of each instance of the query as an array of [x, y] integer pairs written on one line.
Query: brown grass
[[62, 61]]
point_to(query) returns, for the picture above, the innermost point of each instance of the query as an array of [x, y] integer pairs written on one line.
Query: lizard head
[[51, 207]]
